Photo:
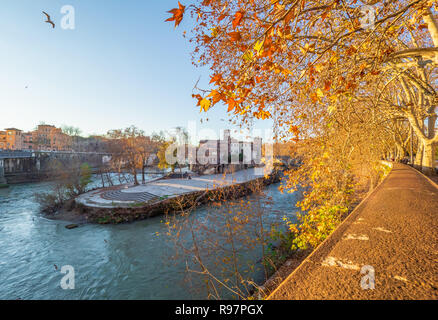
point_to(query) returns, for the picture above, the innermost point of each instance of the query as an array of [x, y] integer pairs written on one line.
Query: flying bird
[[48, 20]]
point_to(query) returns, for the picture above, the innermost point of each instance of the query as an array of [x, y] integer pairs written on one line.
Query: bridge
[[15, 155], [29, 166]]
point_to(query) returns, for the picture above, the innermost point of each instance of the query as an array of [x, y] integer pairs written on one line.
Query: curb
[[427, 178]]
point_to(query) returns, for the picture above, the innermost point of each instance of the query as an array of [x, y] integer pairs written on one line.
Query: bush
[[70, 181]]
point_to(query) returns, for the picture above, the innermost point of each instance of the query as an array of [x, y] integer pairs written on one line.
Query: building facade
[[219, 154], [11, 139], [3, 143], [44, 138]]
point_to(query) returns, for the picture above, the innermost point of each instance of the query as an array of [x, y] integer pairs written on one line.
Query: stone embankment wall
[[172, 205]]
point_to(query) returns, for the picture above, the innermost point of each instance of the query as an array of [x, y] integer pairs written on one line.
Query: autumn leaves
[[228, 89], [178, 14]]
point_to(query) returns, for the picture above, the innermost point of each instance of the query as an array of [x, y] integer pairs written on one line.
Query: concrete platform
[[128, 195]]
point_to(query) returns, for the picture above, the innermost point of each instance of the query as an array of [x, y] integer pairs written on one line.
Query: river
[[128, 261]]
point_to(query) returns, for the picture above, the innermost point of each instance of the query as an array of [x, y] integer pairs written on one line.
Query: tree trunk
[[428, 166], [429, 148], [411, 152], [143, 179], [135, 177], [400, 154], [419, 156]]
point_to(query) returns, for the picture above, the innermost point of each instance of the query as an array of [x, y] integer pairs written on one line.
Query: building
[[14, 139], [28, 141], [3, 143], [50, 138], [44, 138], [220, 154]]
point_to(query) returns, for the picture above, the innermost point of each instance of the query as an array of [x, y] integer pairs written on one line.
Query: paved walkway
[[395, 230]]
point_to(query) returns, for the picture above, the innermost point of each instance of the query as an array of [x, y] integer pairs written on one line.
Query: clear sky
[[121, 66]]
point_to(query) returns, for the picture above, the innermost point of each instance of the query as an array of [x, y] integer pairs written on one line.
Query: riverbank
[[164, 196]]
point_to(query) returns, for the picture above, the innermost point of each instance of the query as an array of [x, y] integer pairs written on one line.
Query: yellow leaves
[[334, 58], [331, 108], [178, 14], [245, 110], [391, 29], [319, 68], [319, 93], [205, 104], [214, 32], [248, 56], [307, 48], [258, 46], [286, 72]]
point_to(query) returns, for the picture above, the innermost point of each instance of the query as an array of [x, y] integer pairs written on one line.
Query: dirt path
[[394, 231]]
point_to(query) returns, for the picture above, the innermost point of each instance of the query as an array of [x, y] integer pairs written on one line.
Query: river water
[[128, 261]]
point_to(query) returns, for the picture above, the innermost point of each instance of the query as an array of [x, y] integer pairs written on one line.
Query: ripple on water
[[111, 262]]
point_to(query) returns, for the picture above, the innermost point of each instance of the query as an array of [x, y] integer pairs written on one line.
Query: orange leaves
[[178, 14], [327, 85], [350, 51], [288, 17], [231, 104], [216, 79], [237, 19], [216, 96], [207, 39], [263, 115], [294, 129], [235, 36]]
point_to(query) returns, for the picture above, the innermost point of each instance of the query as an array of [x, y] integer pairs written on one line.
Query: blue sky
[[121, 66]]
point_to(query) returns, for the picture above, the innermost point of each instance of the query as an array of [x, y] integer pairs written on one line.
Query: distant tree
[[70, 180], [163, 164], [71, 131], [147, 147], [131, 149]]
